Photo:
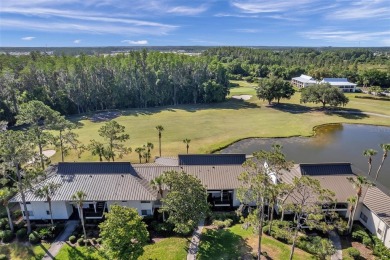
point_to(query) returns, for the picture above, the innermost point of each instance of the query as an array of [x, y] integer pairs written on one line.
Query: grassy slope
[[235, 242], [213, 126]]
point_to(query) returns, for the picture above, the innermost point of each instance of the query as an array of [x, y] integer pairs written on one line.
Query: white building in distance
[[303, 81], [341, 83]]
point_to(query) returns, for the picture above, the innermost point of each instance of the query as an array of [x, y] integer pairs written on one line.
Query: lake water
[[332, 143]]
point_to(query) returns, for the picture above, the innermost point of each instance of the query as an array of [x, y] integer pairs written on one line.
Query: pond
[[331, 143]]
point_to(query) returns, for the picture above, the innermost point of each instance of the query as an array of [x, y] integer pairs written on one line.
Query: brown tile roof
[[378, 201]]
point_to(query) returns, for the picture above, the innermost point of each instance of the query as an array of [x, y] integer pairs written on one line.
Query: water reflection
[[332, 143]]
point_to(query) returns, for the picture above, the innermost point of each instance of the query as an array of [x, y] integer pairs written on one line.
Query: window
[[145, 201], [146, 212], [363, 217], [30, 213], [379, 231], [47, 212]]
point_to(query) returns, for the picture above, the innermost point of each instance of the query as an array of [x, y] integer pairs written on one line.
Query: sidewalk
[[55, 247], [334, 237], [193, 248]]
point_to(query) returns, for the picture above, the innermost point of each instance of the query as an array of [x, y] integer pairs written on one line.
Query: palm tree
[[187, 142], [146, 155], [46, 192], [159, 128], [5, 195], [139, 150], [149, 147], [351, 207], [369, 153], [79, 197], [386, 149], [157, 184], [358, 183]]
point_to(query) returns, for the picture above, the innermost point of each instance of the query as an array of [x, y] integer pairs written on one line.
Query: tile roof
[[211, 159], [377, 200], [332, 176]]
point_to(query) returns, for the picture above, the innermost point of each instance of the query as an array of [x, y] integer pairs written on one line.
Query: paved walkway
[[334, 237], [193, 248], [55, 247]]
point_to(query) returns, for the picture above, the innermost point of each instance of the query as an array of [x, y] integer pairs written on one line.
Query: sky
[[78, 23]]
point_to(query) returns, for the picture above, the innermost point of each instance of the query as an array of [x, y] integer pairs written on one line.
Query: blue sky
[[214, 22]]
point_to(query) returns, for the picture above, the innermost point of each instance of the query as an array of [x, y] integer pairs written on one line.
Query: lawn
[[18, 251], [236, 242], [79, 253], [213, 126], [173, 248], [169, 248]]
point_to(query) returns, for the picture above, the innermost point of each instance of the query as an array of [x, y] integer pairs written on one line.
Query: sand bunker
[[243, 97]]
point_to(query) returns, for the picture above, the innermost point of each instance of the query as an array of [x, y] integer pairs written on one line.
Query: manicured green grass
[[79, 253], [236, 242], [213, 126], [18, 251], [174, 248]]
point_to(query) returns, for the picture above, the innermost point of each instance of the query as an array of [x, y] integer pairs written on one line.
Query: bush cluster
[[6, 236], [222, 224], [362, 235], [164, 227], [3, 257], [281, 230], [34, 237], [222, 216], [21, 234], [353, 252], [4, 224]]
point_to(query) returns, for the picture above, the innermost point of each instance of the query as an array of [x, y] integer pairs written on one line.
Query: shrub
[[3, 223], [3, 257], [218, 223], [44, 233], [17, 214], [72, 239], [94, 241], [6, 235], [353, 252], [359, 235], [21, 233], [87, 242], [99, 240], [367, 241], [34, 237], [80, 241], [20, 225]]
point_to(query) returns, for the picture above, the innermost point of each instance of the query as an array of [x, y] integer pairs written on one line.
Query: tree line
[[79, 84], [358, 65]]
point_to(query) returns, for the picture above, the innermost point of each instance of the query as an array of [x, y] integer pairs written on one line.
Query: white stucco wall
[[236, 202], [133, 204], [374, 223], [61, 210]]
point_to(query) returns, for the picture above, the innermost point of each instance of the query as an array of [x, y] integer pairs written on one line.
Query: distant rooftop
[[305, 79], [65, 168], [338, 82], [211, 159]]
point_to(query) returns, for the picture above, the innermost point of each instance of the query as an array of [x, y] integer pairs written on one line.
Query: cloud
[[140, 42], [345, 35], [28, 38], [186, 10], [268, 6], [363, 9], [77, 41], [247, 30], [235, 15]]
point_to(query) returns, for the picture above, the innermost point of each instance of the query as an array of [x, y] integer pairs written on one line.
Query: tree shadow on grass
[[292, 108], [347, 113], [222, 244], [106, 115]]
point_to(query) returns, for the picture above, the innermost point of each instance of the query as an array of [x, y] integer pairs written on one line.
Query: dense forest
[[358, 65], [140, 78], [79, 84]]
